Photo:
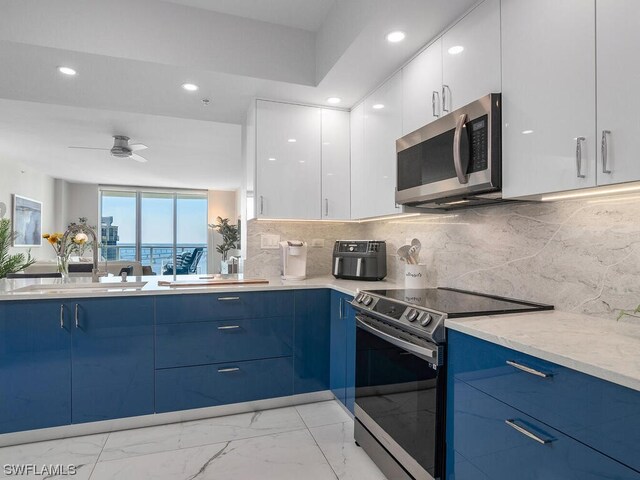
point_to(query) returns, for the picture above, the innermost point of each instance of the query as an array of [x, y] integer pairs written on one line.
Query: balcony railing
[[155, 255]]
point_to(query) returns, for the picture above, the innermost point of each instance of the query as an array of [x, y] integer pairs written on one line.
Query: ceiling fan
[[122, 149]]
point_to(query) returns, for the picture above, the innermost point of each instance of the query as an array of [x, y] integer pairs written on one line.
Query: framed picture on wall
[[27, 222]]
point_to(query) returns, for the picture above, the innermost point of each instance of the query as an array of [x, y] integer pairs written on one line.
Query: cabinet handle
[[76, 316], [605, 151], [445, 88], [435, 97], [62, 316], [228, 370], [579, 141], [530, 370], [512, 423], [261, 204], [228, 299], [326, 207], [229, 327], [340, 308]]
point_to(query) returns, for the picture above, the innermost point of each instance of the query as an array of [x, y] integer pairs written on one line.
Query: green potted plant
[[11, 263], [230, 240]]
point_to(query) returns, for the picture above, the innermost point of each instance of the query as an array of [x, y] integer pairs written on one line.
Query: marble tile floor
[[306, 442]]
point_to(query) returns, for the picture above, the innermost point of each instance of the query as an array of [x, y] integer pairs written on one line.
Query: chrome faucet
[[73, 230]]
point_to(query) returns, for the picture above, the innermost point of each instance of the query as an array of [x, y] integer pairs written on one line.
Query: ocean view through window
[[164, 231]]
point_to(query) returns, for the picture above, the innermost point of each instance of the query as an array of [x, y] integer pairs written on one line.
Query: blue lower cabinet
[[600, 414], [342, 349], [312, 322], [502, 443], [112, 358], [200, 343], [211, 385], [35, 366]]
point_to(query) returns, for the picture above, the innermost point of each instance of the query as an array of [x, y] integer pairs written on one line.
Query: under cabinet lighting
[[67, 71], [592, 193]]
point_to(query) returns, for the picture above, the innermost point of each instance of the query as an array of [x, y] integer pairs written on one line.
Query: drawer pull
[[530, 370], [228, 299], [229, 327], [228, 370], [512, 423]]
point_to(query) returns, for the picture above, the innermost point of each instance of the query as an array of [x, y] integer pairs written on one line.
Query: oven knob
[[426, 320], [359, 298], [367, 300], [412, 314]]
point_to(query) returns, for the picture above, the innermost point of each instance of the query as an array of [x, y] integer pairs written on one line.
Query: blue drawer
[[222, 384], [222, 306], [600, 414], [184, 344], [489, 445]]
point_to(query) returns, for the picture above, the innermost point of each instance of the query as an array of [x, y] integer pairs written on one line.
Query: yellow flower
[[80, 239], [45, 235]]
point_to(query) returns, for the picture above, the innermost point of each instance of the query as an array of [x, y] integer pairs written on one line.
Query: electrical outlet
[[317, 242], [269, 242]]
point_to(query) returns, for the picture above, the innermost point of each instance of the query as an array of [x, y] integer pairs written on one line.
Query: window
[[164, 230]]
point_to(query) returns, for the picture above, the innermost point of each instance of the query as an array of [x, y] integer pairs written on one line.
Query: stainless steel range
[[401, 377]]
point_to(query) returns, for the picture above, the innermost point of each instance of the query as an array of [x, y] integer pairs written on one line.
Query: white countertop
[[602, 348], [8, 287]]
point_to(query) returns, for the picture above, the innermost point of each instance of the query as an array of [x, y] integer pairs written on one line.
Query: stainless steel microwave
[[454, 161]]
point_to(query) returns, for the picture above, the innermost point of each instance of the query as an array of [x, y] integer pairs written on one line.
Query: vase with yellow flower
[[63, 252]]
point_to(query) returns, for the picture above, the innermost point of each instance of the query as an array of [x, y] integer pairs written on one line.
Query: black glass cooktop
[[457, 303]]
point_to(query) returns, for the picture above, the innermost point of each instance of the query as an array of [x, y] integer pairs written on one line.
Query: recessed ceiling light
[[190, 87], [67, 71], [378, 106], [292, 140], [334, 100], [527, 132], [271, 159], [395, 37], [456, 49]]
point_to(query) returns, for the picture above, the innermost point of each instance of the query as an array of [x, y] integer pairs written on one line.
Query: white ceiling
[[304, 14], [182, 153], [133, 55]]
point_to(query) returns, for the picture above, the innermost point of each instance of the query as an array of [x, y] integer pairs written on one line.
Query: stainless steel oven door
[[455, 155], [400, 397]]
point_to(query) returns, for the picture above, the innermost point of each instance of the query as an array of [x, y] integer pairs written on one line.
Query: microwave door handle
[[426, 353], [336, 266], [461, 171]]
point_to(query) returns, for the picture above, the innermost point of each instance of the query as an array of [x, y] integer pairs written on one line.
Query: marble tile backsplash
[[581, 256]]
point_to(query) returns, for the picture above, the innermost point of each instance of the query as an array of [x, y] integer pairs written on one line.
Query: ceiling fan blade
[[137, 146], [138, 158], [89, 148]]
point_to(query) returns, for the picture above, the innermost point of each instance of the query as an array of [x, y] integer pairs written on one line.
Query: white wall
[[18, 179], [81, 200]]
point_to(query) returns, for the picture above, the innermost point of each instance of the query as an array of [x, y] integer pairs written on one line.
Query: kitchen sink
[[71, 288]]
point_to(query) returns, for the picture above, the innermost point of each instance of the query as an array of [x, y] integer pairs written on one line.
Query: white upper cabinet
[[336, 184], [288, 161], [359, 189], [618, 38], [422, 88], [548, 96], [471, 56], [376, 176]]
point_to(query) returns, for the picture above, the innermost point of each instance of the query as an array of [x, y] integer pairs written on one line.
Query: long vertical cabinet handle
[[76, 316], [579, 141], [605, 151], [326, 207], [340, 309], [435, 99], [261, 205], [445, 88], [62, 316]]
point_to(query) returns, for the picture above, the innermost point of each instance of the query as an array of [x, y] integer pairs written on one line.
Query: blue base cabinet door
[[112, 358], [35, 366], [502, 443], [222, 384], [312, 322], [342, 351]]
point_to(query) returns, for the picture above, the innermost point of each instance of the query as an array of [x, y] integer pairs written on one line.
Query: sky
[[157, 218]]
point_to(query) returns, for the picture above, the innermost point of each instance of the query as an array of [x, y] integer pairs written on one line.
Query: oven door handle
[[461, 170], [430, 354]]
